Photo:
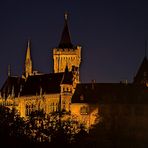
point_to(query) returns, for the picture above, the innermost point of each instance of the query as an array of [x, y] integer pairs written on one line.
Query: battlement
[[67, 51], [66, 57]]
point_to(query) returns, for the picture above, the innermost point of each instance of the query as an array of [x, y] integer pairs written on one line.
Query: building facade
[[47, 92], [63, 91]]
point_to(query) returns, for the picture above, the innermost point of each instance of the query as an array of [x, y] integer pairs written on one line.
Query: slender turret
[[28, 61]]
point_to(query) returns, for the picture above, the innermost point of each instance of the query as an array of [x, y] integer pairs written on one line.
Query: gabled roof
[[142, 74], [47, 83], [110, 93], [65, 41], [36, 84], [13, 84]]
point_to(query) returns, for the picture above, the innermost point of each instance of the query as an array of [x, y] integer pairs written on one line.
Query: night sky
[[112, 35]]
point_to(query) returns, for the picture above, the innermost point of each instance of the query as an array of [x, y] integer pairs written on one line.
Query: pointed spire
[[66, 16], [28, 55], [28, 61], [65, 41]]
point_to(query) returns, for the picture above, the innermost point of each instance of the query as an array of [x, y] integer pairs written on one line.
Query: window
[[57, 107], [63, 89], [66, 89], [52, 107], [29, 108], [84, 110], [64, 105], [70, 89]]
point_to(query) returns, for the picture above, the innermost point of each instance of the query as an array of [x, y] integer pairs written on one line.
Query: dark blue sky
[[112, 34]]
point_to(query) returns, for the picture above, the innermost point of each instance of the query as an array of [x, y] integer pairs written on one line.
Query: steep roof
[[49, 83], [108, 93], [36, 84], [65, 41], [142, 74], [13, 84]]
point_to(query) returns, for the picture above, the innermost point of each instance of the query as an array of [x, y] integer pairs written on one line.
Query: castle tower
[[28, 61], [66, 54]]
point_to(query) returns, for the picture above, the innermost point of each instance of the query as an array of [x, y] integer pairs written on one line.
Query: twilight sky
[[111, 33]]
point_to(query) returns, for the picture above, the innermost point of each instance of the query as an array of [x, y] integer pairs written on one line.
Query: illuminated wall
[[86, 114], [66, 57]]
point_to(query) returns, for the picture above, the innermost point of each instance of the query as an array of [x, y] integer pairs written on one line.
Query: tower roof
[[50, 84], [28, 55], [142, 74], [65, 41]]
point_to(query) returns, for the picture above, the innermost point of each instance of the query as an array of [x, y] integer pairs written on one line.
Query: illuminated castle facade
[[47, 92], [117, 104]]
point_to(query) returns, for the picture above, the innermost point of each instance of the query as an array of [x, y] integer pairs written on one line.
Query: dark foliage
[[37, 131]]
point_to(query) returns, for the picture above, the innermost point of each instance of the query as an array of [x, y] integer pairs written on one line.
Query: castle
[[119, 104], [45, 92]]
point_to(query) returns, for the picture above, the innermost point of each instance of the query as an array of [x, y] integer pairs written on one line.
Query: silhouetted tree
[[11, 127], [39, 129]]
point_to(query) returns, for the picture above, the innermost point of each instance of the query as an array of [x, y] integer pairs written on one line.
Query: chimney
[[93, 82]]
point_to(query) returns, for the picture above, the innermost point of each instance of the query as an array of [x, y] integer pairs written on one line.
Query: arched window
[[57, 107], [29, 108], [52, 107], [64, 105]]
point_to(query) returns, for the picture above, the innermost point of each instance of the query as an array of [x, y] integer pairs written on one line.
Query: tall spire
[[28, 61], [65, 41], [66, 16], [28, 55]]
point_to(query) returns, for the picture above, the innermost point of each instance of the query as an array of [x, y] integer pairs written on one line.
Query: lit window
[[64, 105], [84, 110], [29, 108], [56, 106], [52, 107]]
